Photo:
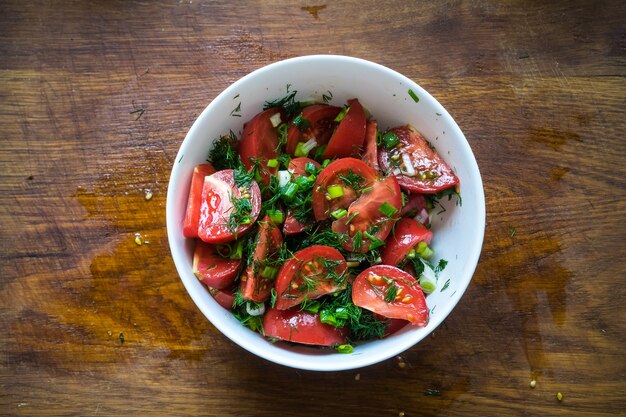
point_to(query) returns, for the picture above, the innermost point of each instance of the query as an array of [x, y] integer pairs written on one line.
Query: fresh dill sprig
[[223, 154], [289, 103]]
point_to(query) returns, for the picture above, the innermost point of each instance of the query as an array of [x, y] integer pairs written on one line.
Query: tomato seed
[[407, 299]]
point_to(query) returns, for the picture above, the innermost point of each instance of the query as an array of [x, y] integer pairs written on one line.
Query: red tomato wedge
[[320, 119], [297, 167], [370, 154], [219, 192], [301, 327], [406, 235], [392, 325], [259, 141], [351, 174], [349, 135], [428, 173], [257, 282], [212, 269], [367, 216], [192, 215], [224, 297], [310, 274], [373, 289]]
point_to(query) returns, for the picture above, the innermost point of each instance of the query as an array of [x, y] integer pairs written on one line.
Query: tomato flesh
[[407, 234], [253, 285], [192, 215], [309, 274], [365, 216], [432, 173], [370, 154], [416, 207], [224, 297], [218, 192], [371, 291], [349, 135], [259, 142], [300, 326], [320, 118], [332, 176], [212, 269]]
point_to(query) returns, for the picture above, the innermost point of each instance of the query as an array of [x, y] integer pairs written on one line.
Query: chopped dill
[[352, 180], [289, 103], [391, 293], [223, 154]]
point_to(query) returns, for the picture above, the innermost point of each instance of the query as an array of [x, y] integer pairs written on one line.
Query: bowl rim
[[473, 254]]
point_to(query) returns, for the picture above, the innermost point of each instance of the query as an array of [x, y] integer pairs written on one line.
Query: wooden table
[[95, 99]]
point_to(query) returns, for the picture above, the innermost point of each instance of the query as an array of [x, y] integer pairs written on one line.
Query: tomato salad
[[312, 227]]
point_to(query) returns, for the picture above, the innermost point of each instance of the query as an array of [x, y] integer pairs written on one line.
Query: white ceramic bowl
[[458, 232]]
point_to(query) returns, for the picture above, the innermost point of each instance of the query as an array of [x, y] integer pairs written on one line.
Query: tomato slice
[[406, 235], [219, 193], [431, 173], [416, 207], [301, 327], [192, 215], [370, 155], [371, 215], [352, 174], [212, 269], [309, 274], [297, 168], [320, 118], [224, 297], [349, 135], [259, 142], [391, 325], [257, 281], [372, 290]]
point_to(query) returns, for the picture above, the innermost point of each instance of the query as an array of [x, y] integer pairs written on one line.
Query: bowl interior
[[458, 231]]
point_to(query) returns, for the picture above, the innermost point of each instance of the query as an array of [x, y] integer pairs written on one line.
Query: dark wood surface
[[92, 324]]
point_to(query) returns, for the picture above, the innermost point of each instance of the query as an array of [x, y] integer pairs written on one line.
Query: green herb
[[327, 97], [301, 123], [223, 154], [255, 323], [387, 209], [512, 231], [357, 241], [342, 114], [414, 96], [389, 140], [441, 265], [273, 297], [344, 348], [289, 192], [445, 286], [310, 168], [239, 214], [276, 216], [243, 178], [235, 112], [339, 213], [281, 133], [375, 242], [390, 294], [352, 216], [141, 111], [352, 180], [288, 103]]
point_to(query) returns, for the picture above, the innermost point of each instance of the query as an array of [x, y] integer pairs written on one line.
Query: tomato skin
[[321, 118], [292, 225], [224, 297], [290, 285], [407, 234], [217, 205], [213, 270], [192, 214], [259, 140], [303, 327], [297, 166], [417, 208], [253, 286], [370, 288], [370, 154], [349, 135], [364, 214], [424, 160], [329, 176], [392, 325]]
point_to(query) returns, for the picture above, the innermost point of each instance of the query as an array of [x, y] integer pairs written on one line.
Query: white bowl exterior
[[458, 232]]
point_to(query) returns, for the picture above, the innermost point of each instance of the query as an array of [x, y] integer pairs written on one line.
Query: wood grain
[[92, 324]]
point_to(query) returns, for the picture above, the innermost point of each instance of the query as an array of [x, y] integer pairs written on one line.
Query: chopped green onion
[[390, 140], [335, 191], [339, 213], [344, 348], [246, 220], [376, 242], [310, 169], [411, 254], [342, 114], [325, 163], [311, 306], [276, 216], [414, 96], [428, 279], [237, 252], [269, 272], [303, 148], [328, 317], [353, 264], [302, 182], [290, 191], [319, 152], [387, 209], [272, 163], [424, 251], [302, 123]]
